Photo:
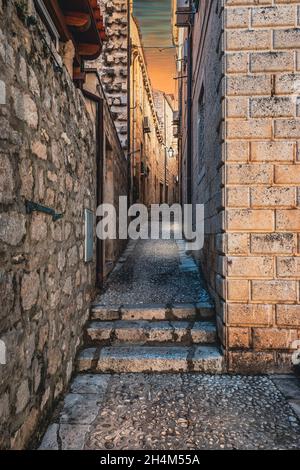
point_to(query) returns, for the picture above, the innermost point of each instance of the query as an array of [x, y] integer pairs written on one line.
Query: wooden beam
[[78, 20], [89, 50], [97, 15], [58, 18], [94, 3], [78, 74]]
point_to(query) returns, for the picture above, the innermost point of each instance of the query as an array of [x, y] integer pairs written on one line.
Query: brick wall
[[262, 179]]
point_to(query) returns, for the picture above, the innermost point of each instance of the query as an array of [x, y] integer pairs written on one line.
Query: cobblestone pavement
[[155, 272], [181, 411]]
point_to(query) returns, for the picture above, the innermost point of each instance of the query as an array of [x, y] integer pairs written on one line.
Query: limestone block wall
[[207, 167], [113, 62], [47, 155], [261, 152]]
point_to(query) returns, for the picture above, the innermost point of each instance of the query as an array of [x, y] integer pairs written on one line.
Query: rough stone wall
[[113, 62], [262, 183], [47, 154]]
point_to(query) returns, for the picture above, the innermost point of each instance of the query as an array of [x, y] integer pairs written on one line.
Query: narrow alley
[[159, 313], [118, 120]]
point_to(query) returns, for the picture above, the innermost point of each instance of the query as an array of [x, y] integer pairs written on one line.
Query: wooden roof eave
[[82, 23]]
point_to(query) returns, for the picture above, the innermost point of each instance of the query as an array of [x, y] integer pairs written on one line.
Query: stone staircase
[[151, 338]]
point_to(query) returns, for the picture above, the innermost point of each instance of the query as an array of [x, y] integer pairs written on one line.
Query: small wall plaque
[[89, 235]]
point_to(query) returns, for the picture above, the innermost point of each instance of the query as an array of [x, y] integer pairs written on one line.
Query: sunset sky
[[155, 21]]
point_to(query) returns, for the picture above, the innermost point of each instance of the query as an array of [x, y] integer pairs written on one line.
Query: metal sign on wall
[[89, 235]]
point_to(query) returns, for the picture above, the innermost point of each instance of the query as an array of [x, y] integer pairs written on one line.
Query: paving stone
[[50, 440], [104, 313], [85, 359], [90, 384], [144, 312], [204, 332], [193, 411], [151, 274], [295, 404], [79, 408], [152, 331], [289, 386], [73, 437], [207, 359], [205, 310], [143, 359], [184, 311]]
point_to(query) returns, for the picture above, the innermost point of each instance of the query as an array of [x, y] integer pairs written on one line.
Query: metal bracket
[[35, 207]]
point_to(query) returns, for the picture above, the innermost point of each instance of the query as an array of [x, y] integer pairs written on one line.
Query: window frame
[[48, 22]]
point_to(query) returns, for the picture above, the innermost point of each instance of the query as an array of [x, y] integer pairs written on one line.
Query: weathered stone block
[[249, 174], [283, 15], [12, 228], [237, 243], [272, 151], [238, 197], [273, 338], [252, 266], [272, 61], [248, 85], [287, 83], [236, 62], [237, 17], [251, 362], [287, 128], [7, 181], [238, 289], [274, 290], [23, 396], [273, 197], [250, 314], [288, 219], [272, 107], [238, 337], [288, 315], [38, 227], [248, 39], [252, 220], [286, 38], [25, 108], [30, 290], [287, 174], [288, 267], [237, 151], [273, 242]]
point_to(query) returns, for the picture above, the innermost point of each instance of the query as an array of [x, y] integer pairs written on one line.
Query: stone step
[[142, 331], [135, 358], [200, 311]]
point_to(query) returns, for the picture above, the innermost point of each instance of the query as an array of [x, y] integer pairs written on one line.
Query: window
[[48, 22], [201, 130]]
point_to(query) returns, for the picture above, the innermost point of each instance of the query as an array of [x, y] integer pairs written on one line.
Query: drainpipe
[[165, 160], [129, 51], [189, 106], [99, 177]]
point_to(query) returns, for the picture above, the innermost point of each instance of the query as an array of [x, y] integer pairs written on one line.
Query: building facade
[[169, 165], [60, 157], [239, 156], [147, 141]]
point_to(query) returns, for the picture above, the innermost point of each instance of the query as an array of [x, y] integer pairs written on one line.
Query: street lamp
[[171, 152]]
